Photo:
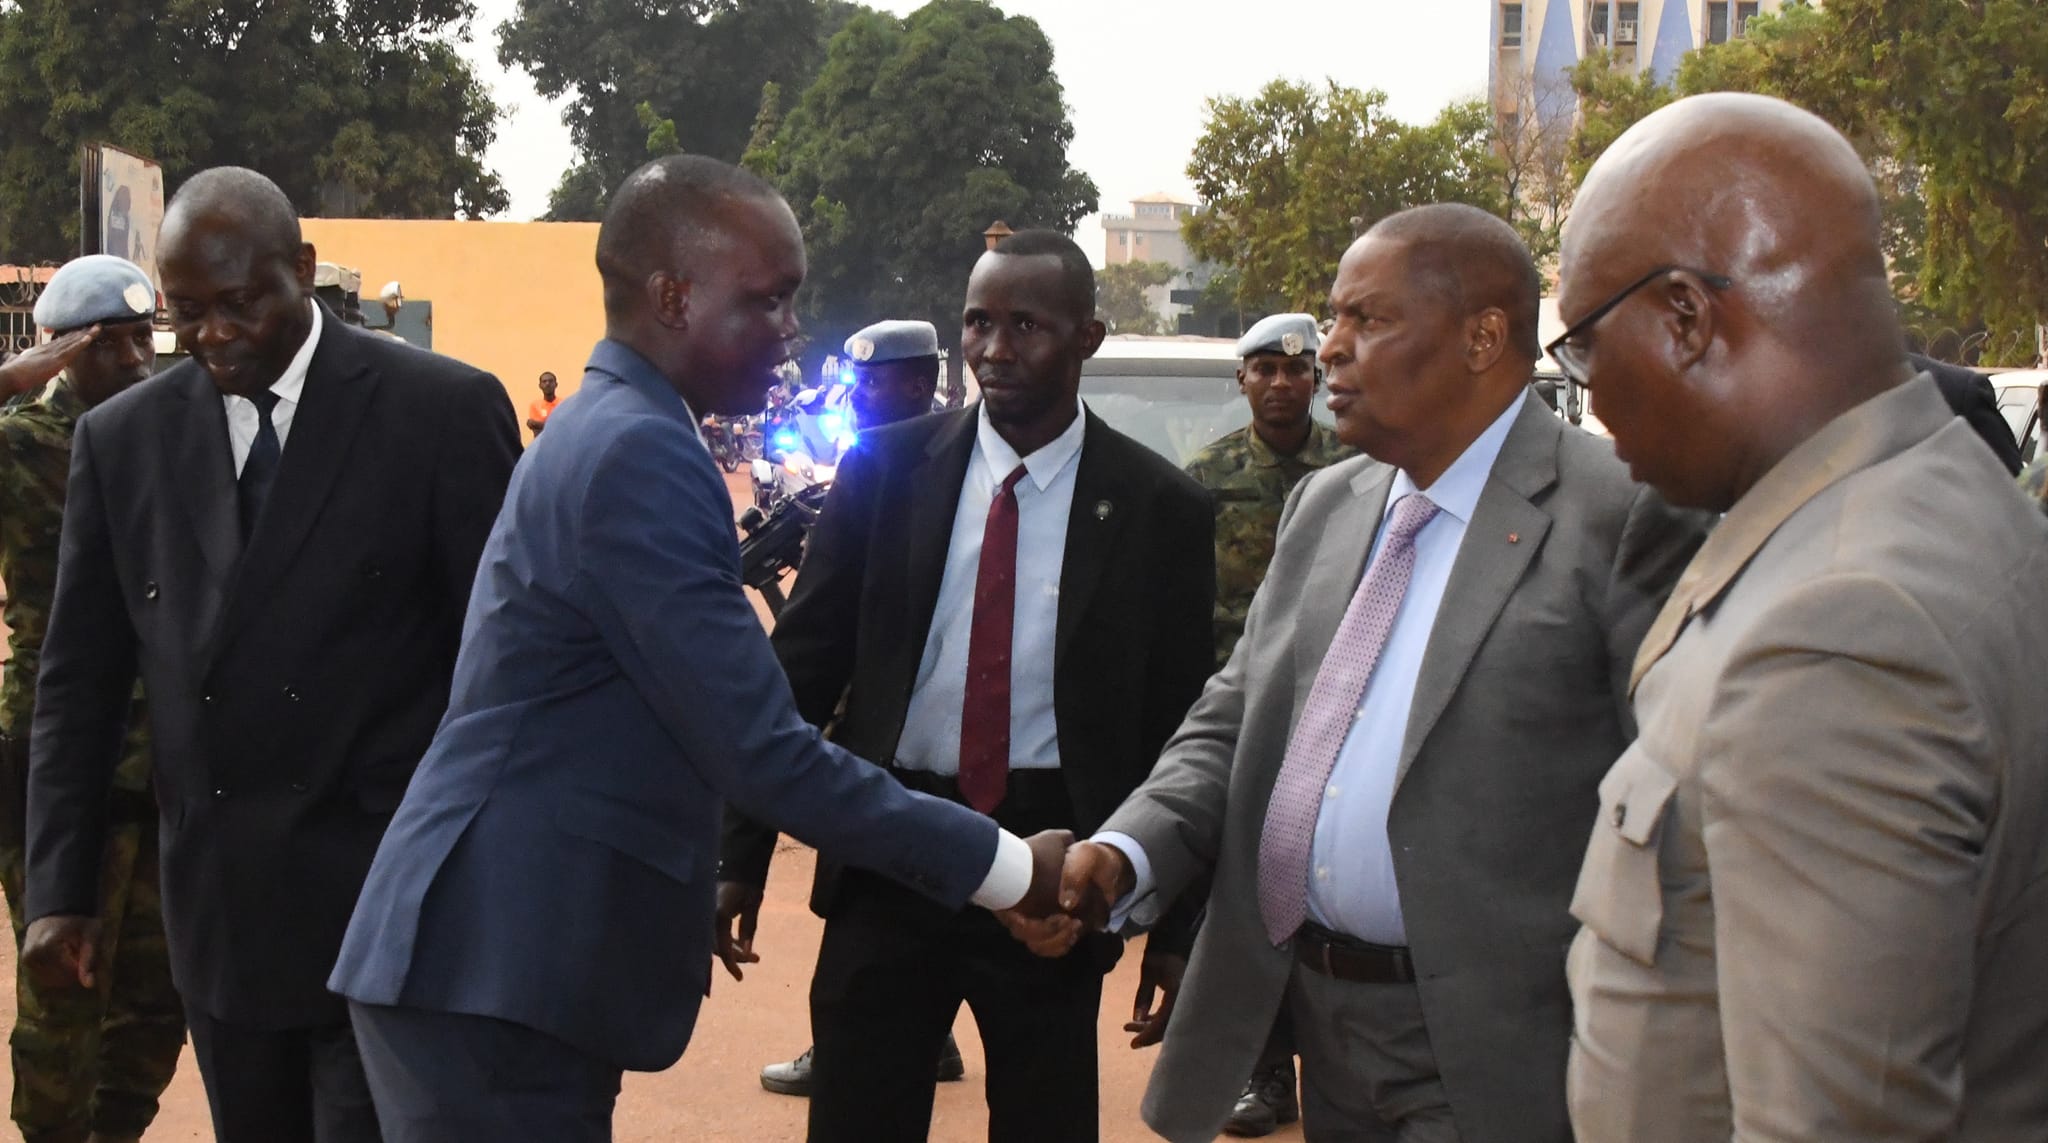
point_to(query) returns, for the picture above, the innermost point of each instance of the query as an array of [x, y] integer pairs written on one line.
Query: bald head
[[1760, 307], [663, 218], [259, 212], [1473, 261]]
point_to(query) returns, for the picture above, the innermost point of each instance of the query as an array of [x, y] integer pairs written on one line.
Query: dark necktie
[[985, 712], [259, 471]]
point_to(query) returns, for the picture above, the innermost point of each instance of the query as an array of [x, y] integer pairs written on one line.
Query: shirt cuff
[[1009, 876], [1142, 885]]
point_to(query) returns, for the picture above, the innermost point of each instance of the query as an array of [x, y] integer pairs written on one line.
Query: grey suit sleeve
[[1657, 542], [1177, 816]]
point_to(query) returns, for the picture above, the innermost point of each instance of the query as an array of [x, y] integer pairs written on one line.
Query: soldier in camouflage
[[90, 1060], [1250, 472]]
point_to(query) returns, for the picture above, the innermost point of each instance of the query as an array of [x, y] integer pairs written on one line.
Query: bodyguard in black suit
[[279, 535], [1970, 394], [889, 612]]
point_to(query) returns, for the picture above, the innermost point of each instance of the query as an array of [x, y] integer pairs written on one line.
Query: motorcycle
[[725, 450]]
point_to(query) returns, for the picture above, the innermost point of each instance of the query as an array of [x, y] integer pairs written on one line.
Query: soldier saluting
[[92, 1056]]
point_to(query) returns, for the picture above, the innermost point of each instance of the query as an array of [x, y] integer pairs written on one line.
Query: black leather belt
[[1347, 958]]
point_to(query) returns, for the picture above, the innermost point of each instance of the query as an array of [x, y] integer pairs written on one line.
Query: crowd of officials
[[1524, 786]]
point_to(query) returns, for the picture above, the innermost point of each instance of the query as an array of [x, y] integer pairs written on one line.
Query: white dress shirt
[[1045, 498], [244, 418], [1351, 862]]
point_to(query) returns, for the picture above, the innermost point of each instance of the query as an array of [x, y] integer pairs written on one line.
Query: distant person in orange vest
[[537, 413]]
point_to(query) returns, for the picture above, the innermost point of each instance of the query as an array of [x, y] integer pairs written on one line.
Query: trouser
[[1368, 1074], [97, 1059], [443, 1077], [291, 1085], [893, 970], [1279, 1049]]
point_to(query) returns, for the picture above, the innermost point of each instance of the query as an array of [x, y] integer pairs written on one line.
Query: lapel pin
[[1514, 537], [1103, 508]]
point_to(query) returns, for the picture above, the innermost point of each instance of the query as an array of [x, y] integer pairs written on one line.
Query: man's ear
[[668, 298], [1091, 337], [1486, 339], [304, 266], [1690, 319]]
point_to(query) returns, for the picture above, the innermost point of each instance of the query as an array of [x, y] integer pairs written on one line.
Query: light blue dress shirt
[[1351, 862], [1045, 499]]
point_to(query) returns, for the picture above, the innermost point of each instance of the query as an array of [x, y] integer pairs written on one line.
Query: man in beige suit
[[1393, 775], [1816, 896]]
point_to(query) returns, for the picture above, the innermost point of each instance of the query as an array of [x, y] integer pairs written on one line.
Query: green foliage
[[698, 66], [918, 133], [1120, 299], [1293, 174], [351, 107], [1947, 102]]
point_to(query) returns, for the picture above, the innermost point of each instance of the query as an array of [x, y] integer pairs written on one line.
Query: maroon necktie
[[985, 712]]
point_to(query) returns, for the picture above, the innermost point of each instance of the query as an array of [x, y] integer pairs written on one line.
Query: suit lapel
[[338, 393], [1339, 565], [934, 496], [200, 466], [1503, 536], [1094, 520]]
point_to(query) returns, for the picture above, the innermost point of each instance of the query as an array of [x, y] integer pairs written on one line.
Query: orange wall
[[514, 298]]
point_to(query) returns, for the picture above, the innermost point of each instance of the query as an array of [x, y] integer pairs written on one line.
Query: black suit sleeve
[[480, 445], [83, 688], [814, 640], [1970, 395], [1181, 659]]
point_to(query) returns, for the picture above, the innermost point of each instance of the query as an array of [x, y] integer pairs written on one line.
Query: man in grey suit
[[1394, 775]]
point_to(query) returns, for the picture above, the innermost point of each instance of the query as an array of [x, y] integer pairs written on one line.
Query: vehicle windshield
[[1171, 406]]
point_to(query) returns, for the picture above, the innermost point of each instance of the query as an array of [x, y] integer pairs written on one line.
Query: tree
[[1945, 103], [1120, 296], [918, 133], [351, 108], [698, 66], [1295, 173], [1534, 144]]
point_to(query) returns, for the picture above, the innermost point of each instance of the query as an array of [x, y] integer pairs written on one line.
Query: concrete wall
[[514, 298]]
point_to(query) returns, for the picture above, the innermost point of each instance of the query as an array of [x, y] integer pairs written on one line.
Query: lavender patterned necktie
[[1326, 719]]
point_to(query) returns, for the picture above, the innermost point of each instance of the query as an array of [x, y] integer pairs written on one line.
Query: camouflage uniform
[[84, 1060], [2034, 482], [1250, 483]]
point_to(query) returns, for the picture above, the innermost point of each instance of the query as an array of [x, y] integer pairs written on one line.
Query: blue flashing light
[[785, 439], [831, 423], [846, 376]]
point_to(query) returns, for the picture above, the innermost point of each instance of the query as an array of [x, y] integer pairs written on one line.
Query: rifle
[[772, 542]]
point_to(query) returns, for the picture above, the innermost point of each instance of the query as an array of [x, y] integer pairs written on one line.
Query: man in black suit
[[1970, 395], [280, 535], [1013, 602]]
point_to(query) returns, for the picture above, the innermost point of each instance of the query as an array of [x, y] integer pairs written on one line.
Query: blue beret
[[893, 341], [1282, 333], [95, 288]]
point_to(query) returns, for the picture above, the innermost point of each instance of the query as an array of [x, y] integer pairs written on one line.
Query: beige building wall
[[513, 298]]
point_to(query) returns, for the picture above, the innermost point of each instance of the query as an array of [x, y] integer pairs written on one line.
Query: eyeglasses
[[1571, 358]]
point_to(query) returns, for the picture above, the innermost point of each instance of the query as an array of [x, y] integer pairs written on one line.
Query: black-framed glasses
[[1571, 358]]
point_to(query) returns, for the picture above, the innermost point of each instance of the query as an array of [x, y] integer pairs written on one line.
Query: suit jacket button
[[222, 792], [149, 590], [298, 787], [207, 699], [291, 694]]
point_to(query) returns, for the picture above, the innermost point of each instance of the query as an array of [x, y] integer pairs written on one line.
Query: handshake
[[1073, 888]]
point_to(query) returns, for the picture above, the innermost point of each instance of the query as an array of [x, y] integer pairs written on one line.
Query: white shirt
[[244, 418], [1351, 862], [1045, 498]]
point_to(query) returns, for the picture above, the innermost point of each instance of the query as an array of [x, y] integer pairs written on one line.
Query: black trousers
[[894, 969], [298, 1085], [443, 1077]]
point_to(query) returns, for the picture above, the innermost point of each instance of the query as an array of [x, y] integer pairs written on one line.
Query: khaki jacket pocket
[[1620, 896]]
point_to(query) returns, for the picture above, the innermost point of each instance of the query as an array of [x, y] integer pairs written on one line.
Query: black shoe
[[952, 1068], [1268, 1102], [794, 1077]]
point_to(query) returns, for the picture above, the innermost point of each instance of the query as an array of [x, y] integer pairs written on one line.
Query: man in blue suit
[[539, 917]]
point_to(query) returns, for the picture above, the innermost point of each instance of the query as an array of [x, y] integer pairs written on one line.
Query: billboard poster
[[129, 205]]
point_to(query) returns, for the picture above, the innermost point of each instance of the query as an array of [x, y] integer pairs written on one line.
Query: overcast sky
[[1134, 123]]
